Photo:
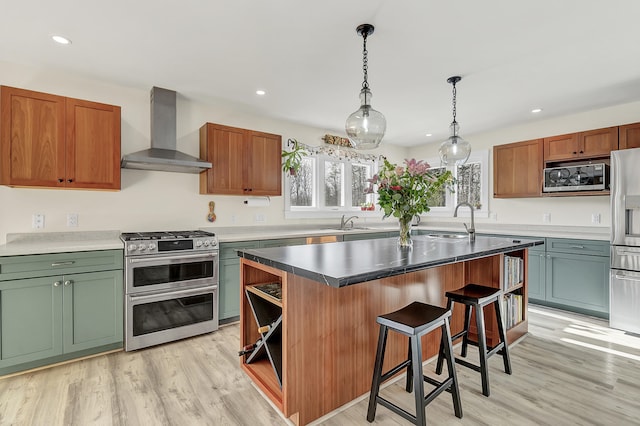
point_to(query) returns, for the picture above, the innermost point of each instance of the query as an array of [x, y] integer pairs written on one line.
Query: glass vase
[[404, 239]]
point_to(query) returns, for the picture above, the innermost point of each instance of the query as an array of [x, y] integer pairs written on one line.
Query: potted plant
[[292, 160]]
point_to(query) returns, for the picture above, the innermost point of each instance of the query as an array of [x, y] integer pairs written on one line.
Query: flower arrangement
[[404, 192]]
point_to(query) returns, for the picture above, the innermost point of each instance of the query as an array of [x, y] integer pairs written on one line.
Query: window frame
[[318, 209]]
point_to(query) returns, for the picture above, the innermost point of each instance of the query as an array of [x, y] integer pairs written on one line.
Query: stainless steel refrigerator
[[624, 281]]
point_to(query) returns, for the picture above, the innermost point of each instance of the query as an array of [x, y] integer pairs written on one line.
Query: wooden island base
[[329, 335]]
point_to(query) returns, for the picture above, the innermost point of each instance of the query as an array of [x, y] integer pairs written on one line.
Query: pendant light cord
[[365, 61], [454, 101]]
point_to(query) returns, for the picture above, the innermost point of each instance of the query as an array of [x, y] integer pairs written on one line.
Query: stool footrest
[[440, 386], [495, 349], [394, 370], [467, 364], [391, 406]]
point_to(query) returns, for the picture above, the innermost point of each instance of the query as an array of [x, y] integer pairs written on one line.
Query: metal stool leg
[[503, 338], [448, 349], [467, 324], [482, 349], [441, 350], [377, 373], [409, 384], [418, 379]]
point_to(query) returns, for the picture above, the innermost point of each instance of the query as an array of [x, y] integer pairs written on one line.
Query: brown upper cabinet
[[245, 162], [56, 142], [517, 169], [589, 144], [630, 136]]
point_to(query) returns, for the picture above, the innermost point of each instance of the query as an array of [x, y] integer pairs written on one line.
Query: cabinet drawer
[[281, 242], [562, 245], [42, 265], [228, 250]]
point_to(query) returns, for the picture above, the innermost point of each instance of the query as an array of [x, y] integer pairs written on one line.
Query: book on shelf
[[513, 271], [512, 312]]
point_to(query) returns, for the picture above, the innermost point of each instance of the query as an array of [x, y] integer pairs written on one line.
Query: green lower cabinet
[[70, 312], [92, 310], [229, 294], [229, 277], [30, 320], [536, 276], [578, 281]]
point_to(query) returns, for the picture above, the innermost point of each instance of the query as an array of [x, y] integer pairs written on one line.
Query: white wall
[[564, 211], [148, 200]]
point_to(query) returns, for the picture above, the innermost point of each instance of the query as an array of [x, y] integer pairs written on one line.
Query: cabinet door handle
[[574, 152], [581, 152], [68, 282], [69, 180], [577, 247], [57, 284], [60, 180], [548, 256], [67, 263]]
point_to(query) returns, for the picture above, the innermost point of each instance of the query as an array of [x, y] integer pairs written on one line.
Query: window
[[472, 181], [328, 184]]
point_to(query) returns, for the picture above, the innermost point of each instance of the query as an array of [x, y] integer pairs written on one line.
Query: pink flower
[[395, 187], [417, 167]]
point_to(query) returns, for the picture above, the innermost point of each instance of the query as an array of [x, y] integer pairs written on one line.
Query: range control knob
[[198, 243], [151, 246], [206, 243], [132, 247], [141, 247]]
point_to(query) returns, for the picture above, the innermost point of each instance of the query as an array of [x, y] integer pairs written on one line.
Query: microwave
[[585, 177]]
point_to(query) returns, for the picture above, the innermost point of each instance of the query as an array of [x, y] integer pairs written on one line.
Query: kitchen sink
[[448, 236]]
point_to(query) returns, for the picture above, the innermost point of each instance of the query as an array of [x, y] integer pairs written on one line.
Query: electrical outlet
[[72, 220], [546, 217], [595, 218], [259, 218], [37, 221]]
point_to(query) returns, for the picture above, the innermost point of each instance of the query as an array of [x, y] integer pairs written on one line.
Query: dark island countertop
[[351, 262]]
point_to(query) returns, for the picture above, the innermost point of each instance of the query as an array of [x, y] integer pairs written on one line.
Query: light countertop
[[250, 233], [60, 242]]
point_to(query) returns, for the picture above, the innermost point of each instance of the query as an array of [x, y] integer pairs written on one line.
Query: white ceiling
[[564, 56]]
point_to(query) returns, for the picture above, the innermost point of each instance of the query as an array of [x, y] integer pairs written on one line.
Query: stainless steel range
[[171, 286]]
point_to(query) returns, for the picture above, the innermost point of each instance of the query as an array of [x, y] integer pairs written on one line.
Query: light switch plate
[[546, 217]]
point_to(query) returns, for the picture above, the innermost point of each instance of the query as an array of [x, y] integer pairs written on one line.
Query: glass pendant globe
[[454, 150], [366, 127]]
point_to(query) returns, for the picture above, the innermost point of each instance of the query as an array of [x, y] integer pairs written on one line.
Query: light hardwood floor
[[569, 370]]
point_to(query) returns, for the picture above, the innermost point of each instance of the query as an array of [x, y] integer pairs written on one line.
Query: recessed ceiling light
[[536, 110], [429, 134], [60, 39], [260, 92]]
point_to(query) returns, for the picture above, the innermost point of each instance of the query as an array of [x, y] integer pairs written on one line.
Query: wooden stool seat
[[414, 321], [477, 297]]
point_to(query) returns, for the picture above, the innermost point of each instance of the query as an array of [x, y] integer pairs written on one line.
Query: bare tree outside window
[[333, 172], [359, 175], [438, 199], [301, 185], [468, 184]]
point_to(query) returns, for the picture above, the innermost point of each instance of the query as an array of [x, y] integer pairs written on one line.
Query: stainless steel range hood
[[163, 155]]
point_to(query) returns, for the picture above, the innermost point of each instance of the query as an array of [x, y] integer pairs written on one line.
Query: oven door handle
[[177, 293], [175, 257]]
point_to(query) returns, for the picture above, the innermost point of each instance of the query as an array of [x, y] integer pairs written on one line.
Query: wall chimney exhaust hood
[[163, 155]]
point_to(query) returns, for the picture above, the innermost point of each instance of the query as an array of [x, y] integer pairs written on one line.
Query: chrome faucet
[[344, 222], [471, 230]]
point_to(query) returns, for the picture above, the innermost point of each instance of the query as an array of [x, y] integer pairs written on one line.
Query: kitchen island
[[319, 333]]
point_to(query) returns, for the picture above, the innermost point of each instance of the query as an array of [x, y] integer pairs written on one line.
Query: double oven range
[[171, 286]]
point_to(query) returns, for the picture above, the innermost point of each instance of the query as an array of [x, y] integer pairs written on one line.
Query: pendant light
[[365, 127], [454, 150]]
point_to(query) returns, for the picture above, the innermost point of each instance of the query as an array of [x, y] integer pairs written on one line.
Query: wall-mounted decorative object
[[292, 160], [211, 217], [337, 140]]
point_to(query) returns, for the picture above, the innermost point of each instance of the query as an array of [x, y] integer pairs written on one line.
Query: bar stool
[[477, 296], [414, 321]]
